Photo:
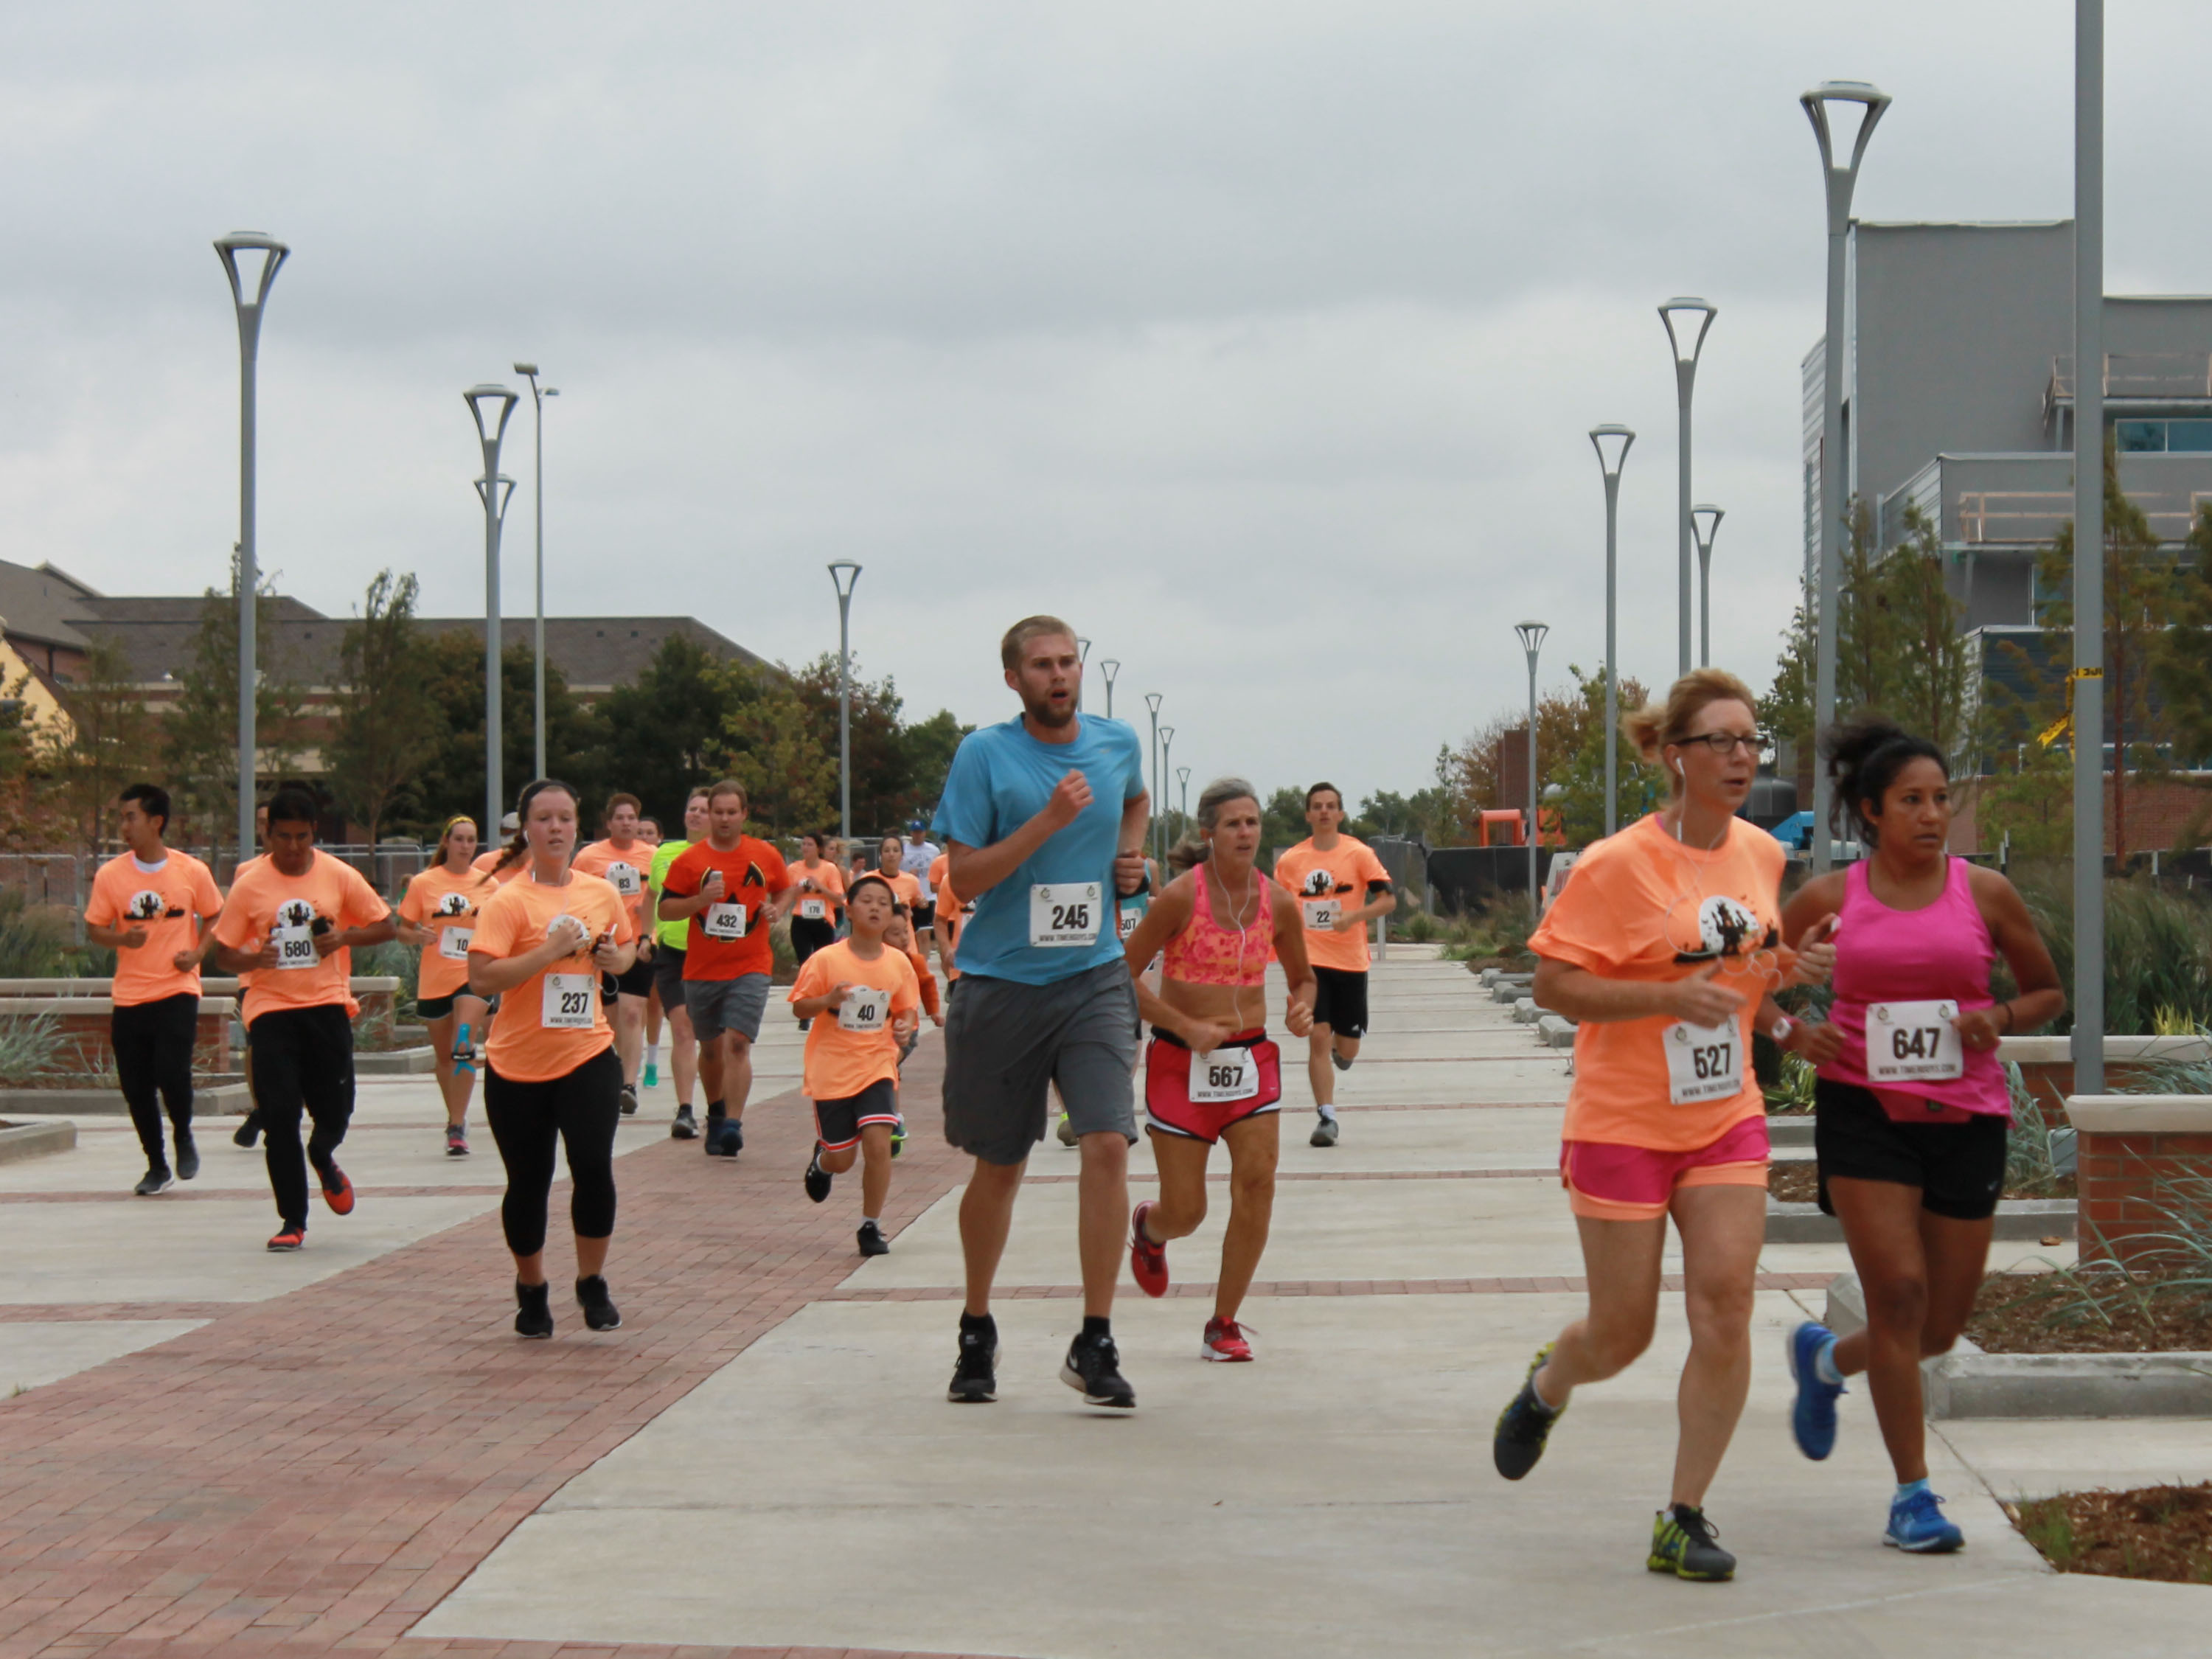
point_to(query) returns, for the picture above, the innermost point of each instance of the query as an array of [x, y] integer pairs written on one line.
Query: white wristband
[[1779, 1031]]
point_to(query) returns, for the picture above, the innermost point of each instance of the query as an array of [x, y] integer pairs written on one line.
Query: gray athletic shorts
[[1004, 1041], [717, 1006]]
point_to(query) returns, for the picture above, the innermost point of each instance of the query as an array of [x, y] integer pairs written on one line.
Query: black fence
[[1460, 878]]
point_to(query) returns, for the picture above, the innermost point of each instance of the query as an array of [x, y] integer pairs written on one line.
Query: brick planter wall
[[2134, 1150], [83, 1023], [2046, 1064]]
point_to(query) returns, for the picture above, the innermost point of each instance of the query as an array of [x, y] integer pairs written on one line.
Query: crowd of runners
[[552, 965]]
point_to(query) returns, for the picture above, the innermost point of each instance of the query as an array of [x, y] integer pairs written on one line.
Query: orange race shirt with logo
[[905, 888], [752, 874], [167, 904], [628, 870], [492, 855], [267, 905], [529, 1041], [829, 879], [446, 904], [841, 1062], [1641, 906], [1337, 878]]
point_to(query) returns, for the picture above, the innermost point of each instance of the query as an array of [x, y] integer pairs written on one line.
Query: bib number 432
[[1703, 1062]]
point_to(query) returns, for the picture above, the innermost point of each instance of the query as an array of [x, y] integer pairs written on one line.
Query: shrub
[[28, 1043], [2158, 953], [33, 943]]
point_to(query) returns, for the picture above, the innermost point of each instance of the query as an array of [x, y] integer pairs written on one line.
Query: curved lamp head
[[1083, 651], [1167, 736], [490, 405], [1531, 635], [1677, 314], [250, 259], [1183, 776], [1109, 666], [1871, 101], [1152, 703], [496, 492], [1705, 524], [1611, 443], [846, 576]]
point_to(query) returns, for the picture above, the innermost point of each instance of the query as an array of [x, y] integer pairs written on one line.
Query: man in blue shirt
[[1043, 820]]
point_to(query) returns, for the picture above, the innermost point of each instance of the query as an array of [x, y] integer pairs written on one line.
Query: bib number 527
[[1703, 1062]]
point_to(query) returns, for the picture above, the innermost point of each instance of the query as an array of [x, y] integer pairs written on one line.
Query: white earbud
[[1680, 773]]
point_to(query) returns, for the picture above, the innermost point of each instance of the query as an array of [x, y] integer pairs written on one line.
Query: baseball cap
[[509, 825]]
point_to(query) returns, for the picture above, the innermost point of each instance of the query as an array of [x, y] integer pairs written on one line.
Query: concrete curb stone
[[21, 1140]]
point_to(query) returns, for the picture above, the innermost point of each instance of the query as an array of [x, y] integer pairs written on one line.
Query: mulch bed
[[1796, 1182], [2021, 1313], [2151, 1532]]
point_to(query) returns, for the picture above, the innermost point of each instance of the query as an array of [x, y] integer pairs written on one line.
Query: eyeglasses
[[1724, 744]]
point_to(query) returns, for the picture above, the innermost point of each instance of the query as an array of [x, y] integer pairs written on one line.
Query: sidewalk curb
[[2016, 1218], [21, 1140]]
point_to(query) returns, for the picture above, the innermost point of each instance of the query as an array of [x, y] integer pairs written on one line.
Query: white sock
[[652, 1055], [870, 1221], [1326, 1110], [1824, 1364]]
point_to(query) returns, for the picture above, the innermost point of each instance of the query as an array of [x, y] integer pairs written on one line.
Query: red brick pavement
[[312, 1474]]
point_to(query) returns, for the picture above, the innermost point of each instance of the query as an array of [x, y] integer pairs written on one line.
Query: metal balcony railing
[[2181, 375]]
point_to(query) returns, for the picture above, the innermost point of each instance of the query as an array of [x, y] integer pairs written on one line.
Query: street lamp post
[[1531, 635], [1107, 667], [272, 255], [1686, 349], [1838, 182], [1705, 519], [538, 396], [494, 489], [1610, 462], [2089, 548], [1152, 703], [1167, 737], [1082, 667], [845, 575]]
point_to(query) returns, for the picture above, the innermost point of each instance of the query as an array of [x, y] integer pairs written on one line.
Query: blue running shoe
[[1813, 1418], [1916, 1524]]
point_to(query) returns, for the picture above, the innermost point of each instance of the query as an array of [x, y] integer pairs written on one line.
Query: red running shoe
[[1225, 1340], [288, 1237], [340, 1197], [1147, 1260]]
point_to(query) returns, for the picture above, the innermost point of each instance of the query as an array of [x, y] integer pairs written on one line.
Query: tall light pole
[[538, 396], [1082, 667], [1676, 314], [846, 576], [264, 255], [1167, 737], [1610, 461], [494, 489], [1705, 519], [1108, 667], [1152, 703], [2089, 548], [1531, 634], [1838, 182], [1182, 777]]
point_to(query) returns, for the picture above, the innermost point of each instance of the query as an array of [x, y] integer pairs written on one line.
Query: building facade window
[[2163, 437]]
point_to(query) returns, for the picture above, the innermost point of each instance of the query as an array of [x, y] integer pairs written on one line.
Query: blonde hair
[[1655, 725], [1028, 628], [1191, 851]]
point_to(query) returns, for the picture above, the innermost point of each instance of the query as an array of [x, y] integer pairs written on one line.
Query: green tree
[[105, 743], [790, 776], [200, 734], [667, 731], [386, 728], [929, 746], [1283, 821], [2181, 666], [452, 778]]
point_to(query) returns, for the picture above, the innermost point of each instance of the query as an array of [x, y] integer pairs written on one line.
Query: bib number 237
[[567, 1005], [1065, 913], [1703, 1062]]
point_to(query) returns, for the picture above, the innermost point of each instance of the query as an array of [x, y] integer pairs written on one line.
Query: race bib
[[814, 909], [1703, 1062], [1321, 915], [627, 878], [723, 922], [1225, 1075], [866, 1008], [568, 998], [453, 943], [1129, 920], [1066, 912], [295, 947], [1913, 1043]]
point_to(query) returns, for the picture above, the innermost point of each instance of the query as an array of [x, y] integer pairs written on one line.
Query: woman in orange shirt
[[541, 943], [821, 900], [1664, 946], [906, 887], [438, 914]]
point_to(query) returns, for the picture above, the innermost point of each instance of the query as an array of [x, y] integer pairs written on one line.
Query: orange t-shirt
[[906, 887], [446, 904], [1641, 906], [842, 1060], [266, 905], [529, 1041], [830, 878], [953, 915], [724, 940], [1326, 886], [628, 871], [491, 856], [168, 904]]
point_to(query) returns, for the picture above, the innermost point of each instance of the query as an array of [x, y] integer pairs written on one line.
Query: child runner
[[438, 913], [1912, 1103], [1212, 1072], [863, 1000]]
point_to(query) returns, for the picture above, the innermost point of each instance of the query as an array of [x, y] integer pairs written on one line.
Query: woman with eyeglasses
[[1665, 948]]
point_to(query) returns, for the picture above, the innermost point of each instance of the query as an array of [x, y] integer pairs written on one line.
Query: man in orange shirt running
[[624, 861], [1340, 886]]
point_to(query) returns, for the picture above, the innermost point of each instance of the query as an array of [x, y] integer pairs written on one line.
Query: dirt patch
[[1797, 1182], [2151, 1532], [2065, 1313]]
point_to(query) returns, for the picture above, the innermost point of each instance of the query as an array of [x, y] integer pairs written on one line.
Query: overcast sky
[[1259, 340]]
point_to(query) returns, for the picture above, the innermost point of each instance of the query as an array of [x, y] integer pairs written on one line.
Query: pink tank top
[[1207, 953], [1940, 954]]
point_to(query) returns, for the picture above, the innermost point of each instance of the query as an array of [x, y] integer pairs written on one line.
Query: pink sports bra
[[1207, 953]]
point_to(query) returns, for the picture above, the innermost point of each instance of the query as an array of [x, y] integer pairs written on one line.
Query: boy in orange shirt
[[852, 1060]]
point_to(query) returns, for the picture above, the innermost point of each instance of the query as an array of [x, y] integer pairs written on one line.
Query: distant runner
[[624, 861], [438, 914], [918, 856], [668, 941], [648, 831], [820, 905], [1340, 886]]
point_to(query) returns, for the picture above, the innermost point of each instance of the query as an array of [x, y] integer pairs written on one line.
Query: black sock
[[1094, 1326], [983, 1324], [714, 1109]]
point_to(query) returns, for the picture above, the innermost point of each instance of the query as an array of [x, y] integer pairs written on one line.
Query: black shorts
[[634, 981], [924, 915], [668, 975], [1340, 1001], [838, 1123], [1958, 1167], [429, 1008]]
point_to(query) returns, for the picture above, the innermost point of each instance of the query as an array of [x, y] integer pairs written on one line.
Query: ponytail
[[1864, 756], [1191, 851]]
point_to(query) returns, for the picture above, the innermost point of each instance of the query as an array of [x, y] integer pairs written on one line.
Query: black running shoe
[[627, 1096], [1093, 1368], [599, 1311], [975, 1374], [153, 1181], [248, 1132], [188, 1156], [725, 1138], [817, 1178], [685, 1128], [533, 1312], [1682, 1543], [872, 1241], [1524, 1425]]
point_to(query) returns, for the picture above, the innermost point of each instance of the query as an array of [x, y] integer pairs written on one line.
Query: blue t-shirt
[[1001, 779]]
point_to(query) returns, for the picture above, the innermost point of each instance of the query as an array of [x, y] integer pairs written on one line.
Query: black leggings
[[809, 934], [578, 1107], [153, 1043], [302, 1060]]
